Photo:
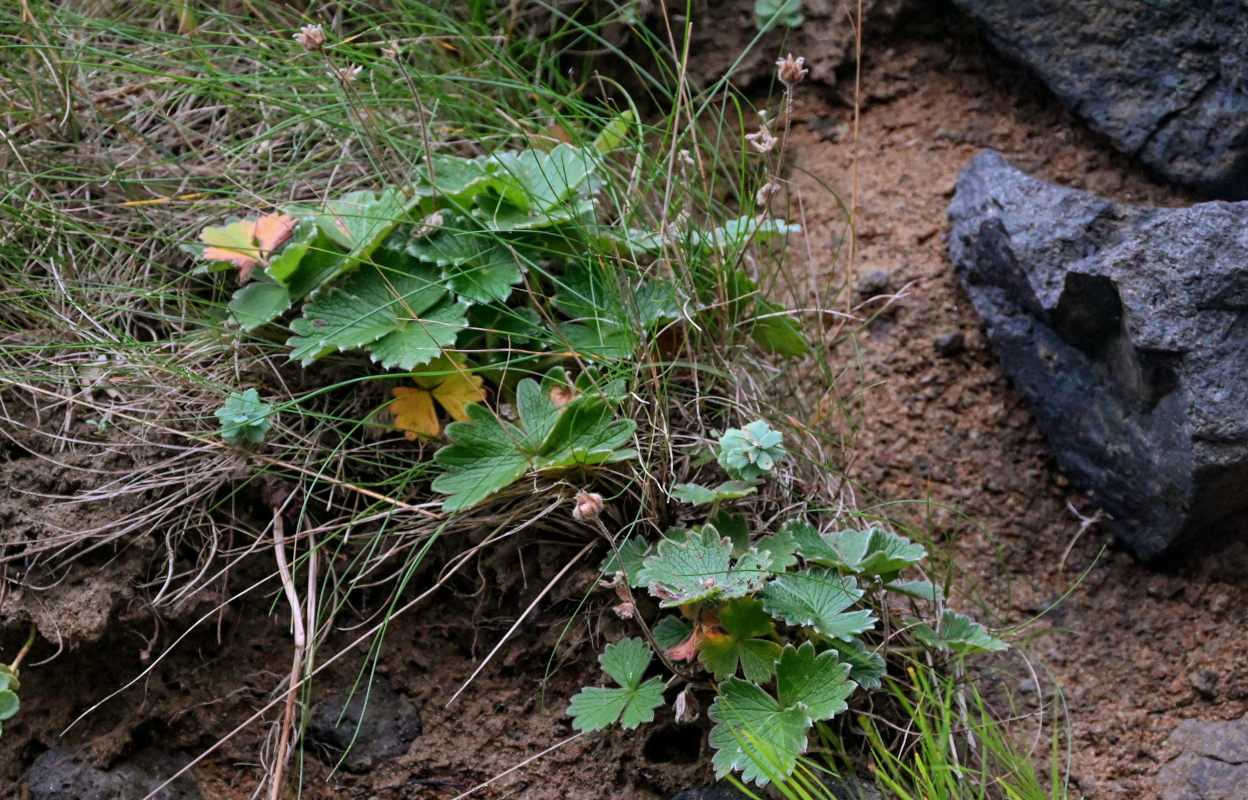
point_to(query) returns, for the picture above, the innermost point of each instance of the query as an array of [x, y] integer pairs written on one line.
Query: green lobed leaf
[[480, 460], [920, 590], [360, 221], [373, 302], [626, 661], [869, 552], [699, 568], [538, 181], [487, 454], [587, 432], [866, 668], [693, 494], [631, 554], [671, 631], [633, 703], [9, 704], [458, 180], [817, 684], [763, 736], [754, 733], [258, 303], [743, 621], [817, 598], [420, 339], [475, 264], [782, 546], [958, 633]]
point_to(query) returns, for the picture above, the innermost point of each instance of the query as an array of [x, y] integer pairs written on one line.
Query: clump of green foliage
[[784, 624], [493, 265]]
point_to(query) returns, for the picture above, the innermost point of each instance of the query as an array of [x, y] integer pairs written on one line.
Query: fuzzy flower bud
[[587, 505], [761, 140], [766, 192], [791, 70], [311, 37]]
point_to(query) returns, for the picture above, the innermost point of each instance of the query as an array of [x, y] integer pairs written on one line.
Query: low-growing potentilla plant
[[784, 626], [480, 271]]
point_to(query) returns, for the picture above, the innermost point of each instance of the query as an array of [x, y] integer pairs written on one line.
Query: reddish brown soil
[[1133, 651]]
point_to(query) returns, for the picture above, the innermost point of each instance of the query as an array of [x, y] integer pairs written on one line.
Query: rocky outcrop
[[1165, 80], [1127, 330], [1212, 763], [70, 773], [359, 729]]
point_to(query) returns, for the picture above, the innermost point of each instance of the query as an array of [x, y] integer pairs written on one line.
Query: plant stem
[[21, 654]]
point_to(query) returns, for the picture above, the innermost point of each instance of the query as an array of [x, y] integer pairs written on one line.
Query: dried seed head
[[686, 706], [587, 506], [791, 70], [428, 226], [349, 74], [761, 140], [311, 37], [766, 192], [392, 52], [624, 610]]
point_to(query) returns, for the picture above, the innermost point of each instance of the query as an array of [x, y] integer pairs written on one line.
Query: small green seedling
[[245, 418], [751, 453]]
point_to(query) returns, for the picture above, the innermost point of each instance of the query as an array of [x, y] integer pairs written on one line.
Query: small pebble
[[873, 283], [949, 344], [1205, 682]]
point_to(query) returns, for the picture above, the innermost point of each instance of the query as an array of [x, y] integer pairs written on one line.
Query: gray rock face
[[67, 773], [1212, 764], [363, 728], [1165, 80], [1127, 330]]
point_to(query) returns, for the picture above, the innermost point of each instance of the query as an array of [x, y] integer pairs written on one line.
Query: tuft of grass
[[953, 746]]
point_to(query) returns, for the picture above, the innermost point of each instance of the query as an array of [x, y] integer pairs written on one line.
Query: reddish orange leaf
[[247, 242]]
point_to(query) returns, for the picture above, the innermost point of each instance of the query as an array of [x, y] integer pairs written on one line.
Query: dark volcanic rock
[[68, 773], [1127, 330], [363, 728], [1212, 764], [1165, 80]]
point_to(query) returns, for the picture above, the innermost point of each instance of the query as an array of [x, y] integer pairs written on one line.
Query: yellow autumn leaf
[[456, 392], [413, 407], [414, 413]]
